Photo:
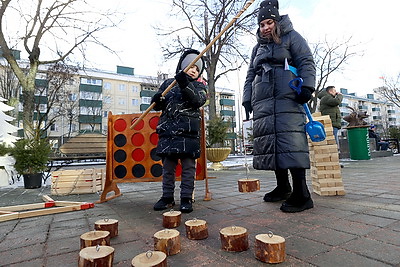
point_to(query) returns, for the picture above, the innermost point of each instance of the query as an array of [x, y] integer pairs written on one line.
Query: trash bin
[[358, 143]]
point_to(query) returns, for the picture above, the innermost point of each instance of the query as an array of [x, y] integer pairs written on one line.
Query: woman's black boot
[[283, 189], [300, 199]]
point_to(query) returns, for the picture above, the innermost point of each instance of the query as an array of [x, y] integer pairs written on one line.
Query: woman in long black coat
[[280, 141]]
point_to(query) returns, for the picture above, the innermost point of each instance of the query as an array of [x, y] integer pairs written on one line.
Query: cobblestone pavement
[[361, 228]]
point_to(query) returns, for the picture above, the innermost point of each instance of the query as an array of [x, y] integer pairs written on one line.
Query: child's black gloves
[[157, 98], [248, 109], [304, 96], [182, 79]]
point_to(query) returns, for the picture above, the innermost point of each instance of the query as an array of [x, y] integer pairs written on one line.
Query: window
[[42, 107], [105, 114], [90, 95], [53, 128], [107, 99], [135, 102], [107, 86], [91, 81], [135, 89], [122, 87], [121, 101], [72, 97], [146, 100]]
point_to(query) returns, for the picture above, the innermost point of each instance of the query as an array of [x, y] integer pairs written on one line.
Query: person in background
[[329, 105], [179, 130], [380, 145], [280, 141]]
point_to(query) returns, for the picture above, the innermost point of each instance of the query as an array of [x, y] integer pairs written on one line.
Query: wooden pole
[[150, 259], [172, 219], [95, 238], [110, 225], [96, 256], [234, 238], [270, 248], [195, 60]]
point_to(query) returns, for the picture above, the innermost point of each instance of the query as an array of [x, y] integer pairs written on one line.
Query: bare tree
[[330, 57], [49, 104], [201, 22], [57, 28], [9, 88], [391, 90]]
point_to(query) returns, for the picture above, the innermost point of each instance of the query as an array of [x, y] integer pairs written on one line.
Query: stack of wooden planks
[[325, 167], [78, 181]]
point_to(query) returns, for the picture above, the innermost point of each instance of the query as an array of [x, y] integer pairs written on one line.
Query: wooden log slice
[[96, 256], [150, 259], [270, 248], [248, 185], [196, 229], [172, 219], [167, 241], [94, 238], [234, 238], [110, 225]]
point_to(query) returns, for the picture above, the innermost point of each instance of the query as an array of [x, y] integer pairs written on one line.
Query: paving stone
[[361, 228], [387, 253]]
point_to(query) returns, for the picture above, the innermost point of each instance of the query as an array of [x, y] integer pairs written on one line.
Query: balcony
[[90, 119], [391, 111], [90, 88], [41, 83], [90, 103], [147, 93], [231, 136], [229, 113], [143, 107], [392, 119], [376, 109], [227, 102], [343, 105], [363, 107], [376, 117]]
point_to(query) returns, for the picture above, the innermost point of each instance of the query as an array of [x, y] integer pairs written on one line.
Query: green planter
[[359, 143]]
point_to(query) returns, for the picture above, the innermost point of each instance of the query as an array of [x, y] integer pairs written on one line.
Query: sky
[[371, 24]]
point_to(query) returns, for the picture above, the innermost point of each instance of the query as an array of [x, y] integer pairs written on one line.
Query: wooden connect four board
[[131, 153]]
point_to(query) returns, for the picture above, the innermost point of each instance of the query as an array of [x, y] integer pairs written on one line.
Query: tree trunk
[[196, 229], [234, 238], [96, 256], [110, 225], [171, 219], [270, 248], [94, 238], [150, 259], [248, 185], [167, 241]]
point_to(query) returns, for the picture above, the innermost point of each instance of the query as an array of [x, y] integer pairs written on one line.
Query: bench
[[81, 148]]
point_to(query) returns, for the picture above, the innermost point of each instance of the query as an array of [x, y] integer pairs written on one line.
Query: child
[[179, 130]]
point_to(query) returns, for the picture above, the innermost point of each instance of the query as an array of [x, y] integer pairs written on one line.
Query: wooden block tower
[[325, 167]]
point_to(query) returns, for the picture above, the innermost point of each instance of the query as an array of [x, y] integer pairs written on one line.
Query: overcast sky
[[372, 24]]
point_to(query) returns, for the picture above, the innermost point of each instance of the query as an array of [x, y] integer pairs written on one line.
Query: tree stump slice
[[248, 185], [167, 241], [196, 229], [270, 248], [110, 225], [234, 238], [172, 219], [150, 259], [94, 238], [96, 256]]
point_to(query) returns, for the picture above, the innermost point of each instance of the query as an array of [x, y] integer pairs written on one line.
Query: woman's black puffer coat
[[280, 140], [179, 125]]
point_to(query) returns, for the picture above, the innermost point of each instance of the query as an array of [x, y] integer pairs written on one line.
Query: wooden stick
[[195, 60]]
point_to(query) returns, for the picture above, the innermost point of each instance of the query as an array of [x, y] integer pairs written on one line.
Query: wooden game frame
[[37, 209], [111, 182]]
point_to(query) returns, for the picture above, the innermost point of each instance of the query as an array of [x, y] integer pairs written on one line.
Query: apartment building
[[381, 113]]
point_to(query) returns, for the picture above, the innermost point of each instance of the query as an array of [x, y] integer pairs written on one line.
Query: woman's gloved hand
[[248, 108], [305, 95], [182, 79]]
